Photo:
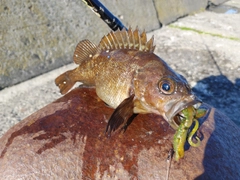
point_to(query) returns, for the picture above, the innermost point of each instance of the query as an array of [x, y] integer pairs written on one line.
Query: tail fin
[[65, 81]]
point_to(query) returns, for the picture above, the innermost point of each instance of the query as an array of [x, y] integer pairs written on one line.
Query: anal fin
[[123, 115]]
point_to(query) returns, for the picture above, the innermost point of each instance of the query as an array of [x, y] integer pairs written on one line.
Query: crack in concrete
[[156, 12]]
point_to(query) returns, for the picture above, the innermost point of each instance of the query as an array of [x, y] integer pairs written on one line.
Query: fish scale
[[117, 84]]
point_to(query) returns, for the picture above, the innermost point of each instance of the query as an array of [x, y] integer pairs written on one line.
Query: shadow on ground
[[221, 155], [220, 152], [222, 94]]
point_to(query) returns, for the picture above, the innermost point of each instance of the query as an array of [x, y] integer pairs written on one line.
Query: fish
[[129, 77]]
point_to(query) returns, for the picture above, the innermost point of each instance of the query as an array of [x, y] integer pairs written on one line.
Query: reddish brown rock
[[66, 140]]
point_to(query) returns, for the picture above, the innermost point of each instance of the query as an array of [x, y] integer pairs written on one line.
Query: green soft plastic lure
[[189, 115]]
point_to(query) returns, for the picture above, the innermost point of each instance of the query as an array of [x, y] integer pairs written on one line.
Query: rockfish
[[130, 78]]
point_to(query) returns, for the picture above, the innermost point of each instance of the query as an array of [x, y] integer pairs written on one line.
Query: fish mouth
[[174, 115]]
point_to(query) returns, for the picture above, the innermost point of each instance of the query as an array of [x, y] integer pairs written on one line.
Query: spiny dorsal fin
[[85, 50], [127, 40]]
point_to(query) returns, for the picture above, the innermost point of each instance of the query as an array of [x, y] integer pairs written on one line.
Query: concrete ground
[[205, 48]]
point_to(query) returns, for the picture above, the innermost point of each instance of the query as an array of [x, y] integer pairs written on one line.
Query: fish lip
[[195, 102]]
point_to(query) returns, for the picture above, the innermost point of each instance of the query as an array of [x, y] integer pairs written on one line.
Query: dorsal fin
[[85, 50], [127, 39]]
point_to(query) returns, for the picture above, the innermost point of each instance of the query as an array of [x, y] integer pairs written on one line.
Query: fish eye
[[166, 86]]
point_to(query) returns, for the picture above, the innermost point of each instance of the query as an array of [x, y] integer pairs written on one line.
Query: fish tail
[[65, 81]]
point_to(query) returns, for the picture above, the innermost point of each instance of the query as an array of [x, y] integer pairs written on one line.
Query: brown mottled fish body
[[129, 77]]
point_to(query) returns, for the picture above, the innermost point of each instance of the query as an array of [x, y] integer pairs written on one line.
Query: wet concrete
[[224, 9]]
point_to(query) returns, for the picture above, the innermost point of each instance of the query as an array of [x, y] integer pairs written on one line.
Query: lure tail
[[65, 81]]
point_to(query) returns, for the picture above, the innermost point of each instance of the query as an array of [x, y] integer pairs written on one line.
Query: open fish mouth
[[174, 115]]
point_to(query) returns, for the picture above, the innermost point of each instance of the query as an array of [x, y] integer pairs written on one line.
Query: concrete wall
[[38, 36], [170, 10]]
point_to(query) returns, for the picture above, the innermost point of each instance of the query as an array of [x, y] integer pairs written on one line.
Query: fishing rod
[[101, 11]]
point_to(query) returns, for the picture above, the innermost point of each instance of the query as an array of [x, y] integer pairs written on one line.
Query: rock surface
[[66, 140]]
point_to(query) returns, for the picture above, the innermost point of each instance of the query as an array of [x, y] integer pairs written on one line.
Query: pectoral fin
[[121, 116]]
